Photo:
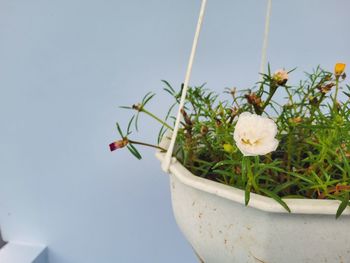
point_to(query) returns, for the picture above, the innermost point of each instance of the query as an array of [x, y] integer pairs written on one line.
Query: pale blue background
[[66, 65]]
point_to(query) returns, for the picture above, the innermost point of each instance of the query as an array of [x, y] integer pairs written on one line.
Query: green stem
[[156, 118], [252, 176], [210, 148], [336, 93], [272, 92], [289, 150], [147, 144], [251, 181]]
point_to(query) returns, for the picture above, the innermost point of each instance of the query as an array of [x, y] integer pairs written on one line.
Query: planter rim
[[263, 203]]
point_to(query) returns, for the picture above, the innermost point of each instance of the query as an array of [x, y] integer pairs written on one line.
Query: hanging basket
[[221, 229]]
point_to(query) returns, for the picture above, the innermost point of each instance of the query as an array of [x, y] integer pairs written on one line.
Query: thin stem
[[250, 178], [289, 150], [210, 148], [251, 174], [147, 144], [336, 93], [156, 118], [249, 170], [272, 92]]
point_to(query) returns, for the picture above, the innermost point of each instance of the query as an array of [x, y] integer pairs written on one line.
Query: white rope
[[167, 160], [266, 36]]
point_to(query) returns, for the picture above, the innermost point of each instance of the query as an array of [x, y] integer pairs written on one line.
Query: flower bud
[[339, 69], [295, 120], [118, 144], [229, 148], [137, 107], [280, 77], [218, 122], [204, 130], [313, 100]]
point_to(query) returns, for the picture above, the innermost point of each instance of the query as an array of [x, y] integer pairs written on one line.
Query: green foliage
[[312, 159]]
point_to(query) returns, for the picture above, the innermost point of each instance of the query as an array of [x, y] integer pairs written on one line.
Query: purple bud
[[117, 145]]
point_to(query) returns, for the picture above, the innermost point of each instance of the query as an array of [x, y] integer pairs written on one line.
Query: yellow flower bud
[[228, 148], [339, 69]]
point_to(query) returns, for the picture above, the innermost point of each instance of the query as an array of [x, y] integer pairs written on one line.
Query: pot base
[[221, 229]]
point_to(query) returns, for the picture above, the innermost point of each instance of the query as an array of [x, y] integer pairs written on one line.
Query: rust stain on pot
[[194, 202], [200, 215]]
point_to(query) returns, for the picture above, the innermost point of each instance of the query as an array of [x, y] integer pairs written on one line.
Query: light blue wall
[[66, 65]]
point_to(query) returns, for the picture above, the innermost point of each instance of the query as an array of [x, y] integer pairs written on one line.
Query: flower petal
[[255, 135]]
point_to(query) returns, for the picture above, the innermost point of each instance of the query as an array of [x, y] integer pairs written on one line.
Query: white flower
[[255, 135]]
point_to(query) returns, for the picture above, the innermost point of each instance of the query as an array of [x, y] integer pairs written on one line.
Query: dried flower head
[[343, 76], [326, 88], [186, 117], [253, 99]]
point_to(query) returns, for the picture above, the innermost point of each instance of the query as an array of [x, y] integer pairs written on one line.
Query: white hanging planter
[[221, 229]]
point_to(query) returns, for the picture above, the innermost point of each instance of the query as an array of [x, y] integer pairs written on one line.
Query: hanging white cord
[[167, 160], [266, 37]]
